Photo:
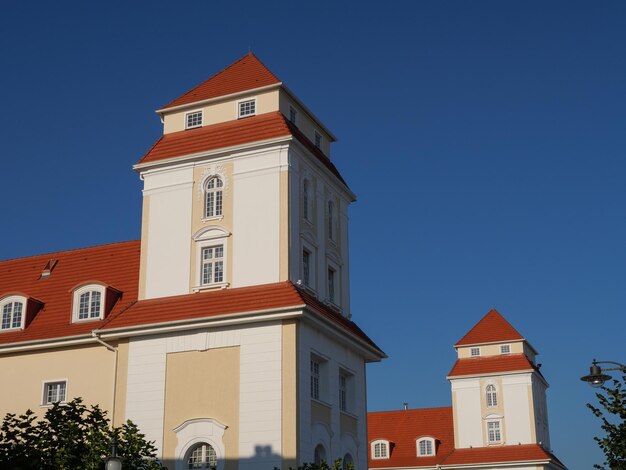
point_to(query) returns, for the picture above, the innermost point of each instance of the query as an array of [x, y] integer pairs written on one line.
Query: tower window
[[493, 432], [475, 352], [306, 267], [193, 119], [505, 349], [212, 265], [318, 140], [315, 379], [306, 209], [247, 108], [343, 392], [213, 197], [491, 395], [293, 114], [331, 220], [331, 285]]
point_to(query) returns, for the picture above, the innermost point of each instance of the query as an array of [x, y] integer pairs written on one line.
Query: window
[[319, 455], [425, 447], [202, 456], [292, 114], [493, 432], [331, 217], [343, 392], [315, 379], [380, 449], [306, 267], [54, 392], [213, 197], [193, 119], [492, 397], [347, 462], [306, 209], [318, 140], [247, 108], [475, 352], [12, 314], [505, 349], [212, 265], [88, 303], [331, 285]]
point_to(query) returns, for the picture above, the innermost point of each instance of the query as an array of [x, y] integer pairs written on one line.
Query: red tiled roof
[[403, 427], [491, 328], [247, 73], [493, 454], [231, 133], [116, 265], [491, 364]]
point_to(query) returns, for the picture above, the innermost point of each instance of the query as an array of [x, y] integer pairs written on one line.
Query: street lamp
[[113, 462], [597, 377]]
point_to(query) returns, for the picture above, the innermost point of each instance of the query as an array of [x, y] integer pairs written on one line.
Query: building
[[225, 333], [498, 418]]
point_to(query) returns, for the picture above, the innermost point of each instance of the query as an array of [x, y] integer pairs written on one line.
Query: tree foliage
[[323, 466], [68, 437], [612, 412]]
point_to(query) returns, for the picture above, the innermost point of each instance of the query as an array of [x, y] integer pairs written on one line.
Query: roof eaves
[[309, 112], [46, 343]]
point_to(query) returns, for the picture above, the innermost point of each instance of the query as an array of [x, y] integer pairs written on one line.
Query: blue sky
[[485, 141]]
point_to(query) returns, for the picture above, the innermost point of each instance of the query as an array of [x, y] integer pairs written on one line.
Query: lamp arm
[[621, 367]]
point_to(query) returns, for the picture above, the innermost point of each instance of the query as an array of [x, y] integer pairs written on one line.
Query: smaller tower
[[498, 392]]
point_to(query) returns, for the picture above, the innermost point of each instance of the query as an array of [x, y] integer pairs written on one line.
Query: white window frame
[[312, 284], [192, 113], [429, 444], [44, 391], [13, 299], [474, 352], [384, 449], [199, 431], [240, 103], [491, 396], [505, 349], [216, 190], [210, 237], [497, 431], [88, 288], [293, 115]]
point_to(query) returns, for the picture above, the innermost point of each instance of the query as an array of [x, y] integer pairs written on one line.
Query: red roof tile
[[402, 428], [116, 265], [491, 328], [491, 364], [493, 454], [232, 133], [247, 73]]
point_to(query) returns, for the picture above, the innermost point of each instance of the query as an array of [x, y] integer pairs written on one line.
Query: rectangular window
[[315, 379], [343, 392], [505, 349], [247, 108], [212, 265], [493, 431], [475, 352], [54, 392], [292, 114], [318, 140], [306, 268], [331, 285], [193, 119]]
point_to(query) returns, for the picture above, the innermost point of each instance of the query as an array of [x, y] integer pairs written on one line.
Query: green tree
[[612, 412], [68, 437]]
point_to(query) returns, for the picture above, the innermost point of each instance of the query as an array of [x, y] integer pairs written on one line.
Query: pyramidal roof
[[492, 328], [247, 73]]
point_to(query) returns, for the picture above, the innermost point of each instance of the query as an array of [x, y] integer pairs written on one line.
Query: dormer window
[[247, 108], [425, 447], [193, 119], [380, 449], [13, 312], [89, 303]]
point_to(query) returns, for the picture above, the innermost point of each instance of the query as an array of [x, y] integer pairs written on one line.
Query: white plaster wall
[[256, 218], [168, 226], [517, 408], [338, 356], [467, 410], [260, 399]]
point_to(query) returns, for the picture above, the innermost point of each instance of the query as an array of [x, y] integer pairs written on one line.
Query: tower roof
[[245, 74], [492, 328]]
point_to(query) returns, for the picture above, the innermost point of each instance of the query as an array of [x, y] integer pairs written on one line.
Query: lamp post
[[113, 462], [597, 377]]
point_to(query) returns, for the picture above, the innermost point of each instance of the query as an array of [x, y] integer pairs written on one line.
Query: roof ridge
[[413, 409], [484, 328], [70, 250]]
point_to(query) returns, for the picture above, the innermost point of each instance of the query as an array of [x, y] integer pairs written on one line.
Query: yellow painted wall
[[290, 424], [491, 349], [202, 384]]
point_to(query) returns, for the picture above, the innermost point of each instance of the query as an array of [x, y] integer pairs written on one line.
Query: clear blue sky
[[485, 141]]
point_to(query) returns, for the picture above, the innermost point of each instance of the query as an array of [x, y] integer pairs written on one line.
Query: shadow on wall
[[263, 459]]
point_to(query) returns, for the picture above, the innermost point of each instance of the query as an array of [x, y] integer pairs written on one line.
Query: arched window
[[492, 396], [380, 449], [319, 455], [347, 463], [306, 209], [12, 314], [202, 456], [88, 303], [426, 447], [213, 197], [331, 224]]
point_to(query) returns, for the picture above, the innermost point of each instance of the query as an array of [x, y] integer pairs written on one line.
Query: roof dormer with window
[[93, 301]]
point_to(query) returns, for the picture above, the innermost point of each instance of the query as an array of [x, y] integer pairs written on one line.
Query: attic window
[[505, 349], [293, 114], [247, 108], [13, 311], [379, 449], [318, 140], [475, 352], [193, 119], [426, 447], [93, 302]]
